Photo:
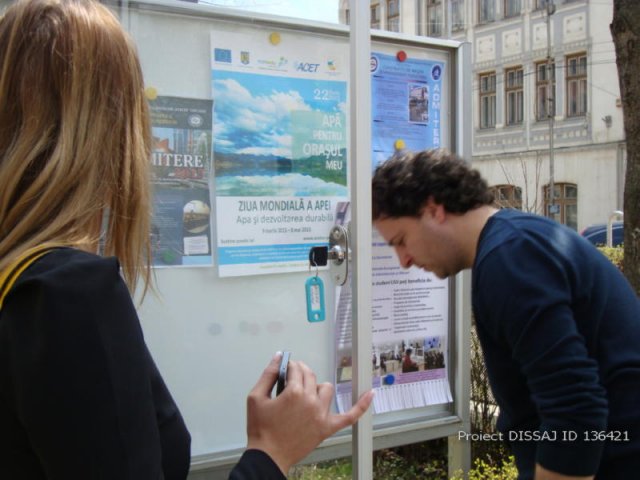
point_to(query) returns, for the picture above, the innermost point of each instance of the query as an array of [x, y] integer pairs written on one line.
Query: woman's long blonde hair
[[74, 134]]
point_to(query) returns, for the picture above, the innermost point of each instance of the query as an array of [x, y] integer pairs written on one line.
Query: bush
[[331, 470], [409, 462], [615, 254], [389, 465], [482, 470]]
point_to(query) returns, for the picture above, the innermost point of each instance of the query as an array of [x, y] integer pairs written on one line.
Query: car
[[597, 234]]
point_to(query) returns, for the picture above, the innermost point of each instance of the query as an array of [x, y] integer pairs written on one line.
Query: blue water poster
[[279, 149]]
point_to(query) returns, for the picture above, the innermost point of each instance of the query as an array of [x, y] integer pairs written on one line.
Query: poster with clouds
[[279, 148]]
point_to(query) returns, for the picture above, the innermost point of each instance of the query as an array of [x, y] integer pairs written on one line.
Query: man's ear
[[434, 210]]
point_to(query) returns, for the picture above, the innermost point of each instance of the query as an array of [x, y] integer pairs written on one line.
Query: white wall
[[592, 169], [603, 75]]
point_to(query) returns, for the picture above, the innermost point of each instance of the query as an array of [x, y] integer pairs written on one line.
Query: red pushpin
[[401, 56]]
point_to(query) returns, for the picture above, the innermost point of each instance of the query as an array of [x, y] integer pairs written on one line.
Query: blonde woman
[[80, 396]]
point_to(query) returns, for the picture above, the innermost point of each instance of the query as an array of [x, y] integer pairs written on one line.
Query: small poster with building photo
[[418, 103]]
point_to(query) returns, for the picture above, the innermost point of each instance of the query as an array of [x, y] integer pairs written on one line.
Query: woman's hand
[[291, 425]]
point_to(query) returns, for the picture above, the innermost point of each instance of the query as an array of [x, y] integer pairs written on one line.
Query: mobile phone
[[282, 372]]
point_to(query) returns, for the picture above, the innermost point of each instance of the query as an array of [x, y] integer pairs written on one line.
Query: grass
[[426, 460]]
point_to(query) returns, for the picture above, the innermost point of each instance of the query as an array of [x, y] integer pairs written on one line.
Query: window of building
[[394, 24], [540, 4], [393, 7], [486, 11], [507, 196], [576, 85], [545, 99], [434, 18], [487, 100], [457, 15], [565, 204], [512, 8], [514, 95], [375, 16], [393, 15]]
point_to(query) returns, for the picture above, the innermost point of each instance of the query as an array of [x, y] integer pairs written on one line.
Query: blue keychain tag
[[315, 299]]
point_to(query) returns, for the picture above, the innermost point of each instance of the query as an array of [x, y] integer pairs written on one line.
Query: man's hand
[[289, 426]]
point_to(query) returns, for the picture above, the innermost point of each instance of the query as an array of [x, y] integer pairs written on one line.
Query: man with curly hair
[[558, 323]]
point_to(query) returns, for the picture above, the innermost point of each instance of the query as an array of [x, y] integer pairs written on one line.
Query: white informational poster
[[280, 148], [180, 171], [410, 328], [410, 318]]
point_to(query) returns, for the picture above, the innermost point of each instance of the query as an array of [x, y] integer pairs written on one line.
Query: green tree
[[625, 29]]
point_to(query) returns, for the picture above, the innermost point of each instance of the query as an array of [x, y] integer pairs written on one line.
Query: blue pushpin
[[389, 379]]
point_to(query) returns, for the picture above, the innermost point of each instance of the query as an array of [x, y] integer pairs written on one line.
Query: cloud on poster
[[245, 121]]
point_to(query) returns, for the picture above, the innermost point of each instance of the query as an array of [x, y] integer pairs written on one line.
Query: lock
[[336, 255], [318, 256], [339, 254]]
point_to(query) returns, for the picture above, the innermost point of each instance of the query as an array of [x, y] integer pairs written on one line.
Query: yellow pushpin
[[151, 93], [274, 38], [399, 144]]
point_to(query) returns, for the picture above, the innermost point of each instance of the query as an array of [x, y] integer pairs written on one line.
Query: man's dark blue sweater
[[560, 330]]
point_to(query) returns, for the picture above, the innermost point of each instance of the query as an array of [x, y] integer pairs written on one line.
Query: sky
[[253, 112], [320, 10]]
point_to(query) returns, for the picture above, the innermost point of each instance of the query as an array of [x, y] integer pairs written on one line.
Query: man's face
[[422, 241]]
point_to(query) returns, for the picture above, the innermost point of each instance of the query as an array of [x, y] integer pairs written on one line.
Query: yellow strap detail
[[9, 276]]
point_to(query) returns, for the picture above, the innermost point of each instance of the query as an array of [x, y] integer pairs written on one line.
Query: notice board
[[224, 307]]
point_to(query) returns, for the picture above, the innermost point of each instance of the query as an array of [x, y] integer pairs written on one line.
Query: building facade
[[539, 72]]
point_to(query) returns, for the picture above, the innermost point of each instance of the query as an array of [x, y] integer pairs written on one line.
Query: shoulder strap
[[9, 276]]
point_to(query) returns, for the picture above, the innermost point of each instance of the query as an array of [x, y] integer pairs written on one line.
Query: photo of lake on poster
[[279, 136]]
